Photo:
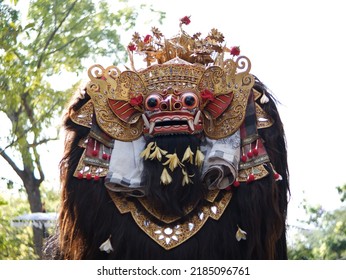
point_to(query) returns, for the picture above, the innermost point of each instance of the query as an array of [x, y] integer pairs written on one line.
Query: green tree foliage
[[16, 243], [54, 36], [325, 234]]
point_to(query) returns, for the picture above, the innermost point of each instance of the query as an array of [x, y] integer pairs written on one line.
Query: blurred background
[[296, 48]]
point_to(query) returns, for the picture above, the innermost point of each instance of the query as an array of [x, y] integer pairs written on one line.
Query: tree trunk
[[32, 186]]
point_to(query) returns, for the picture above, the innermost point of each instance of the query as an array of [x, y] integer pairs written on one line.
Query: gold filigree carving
[[240, 82], [258, 171], [214, 79], [230, 120], [110, 83], [179, 74], [124, 85], [98, 89], [263, 119], [256, 94], [84, 115], [261, 159], [86, 167]]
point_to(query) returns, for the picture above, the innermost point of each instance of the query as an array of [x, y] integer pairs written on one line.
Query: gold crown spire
[[193, 49]]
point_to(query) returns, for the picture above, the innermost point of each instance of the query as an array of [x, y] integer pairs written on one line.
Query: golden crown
[[193, 49], [183, 63]]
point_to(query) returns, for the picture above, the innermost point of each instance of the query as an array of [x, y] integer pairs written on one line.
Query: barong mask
[[190, 89], [173, 142], [190, 85]]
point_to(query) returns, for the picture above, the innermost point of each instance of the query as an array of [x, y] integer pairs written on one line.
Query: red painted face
[[172, 112]]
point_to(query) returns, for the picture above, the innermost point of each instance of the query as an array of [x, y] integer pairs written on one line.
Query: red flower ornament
[[235, 51], [185, 20], [147, 39], [131, 47], [207, 95], [137, 100]]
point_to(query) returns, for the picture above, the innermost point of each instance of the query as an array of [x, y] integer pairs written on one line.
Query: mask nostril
[[163, 106], [177, 105]]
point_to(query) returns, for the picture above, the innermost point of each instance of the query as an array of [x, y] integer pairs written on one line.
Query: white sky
[[297, 49]]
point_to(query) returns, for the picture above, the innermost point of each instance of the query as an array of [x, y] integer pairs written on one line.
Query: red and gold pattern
[[175, 97]]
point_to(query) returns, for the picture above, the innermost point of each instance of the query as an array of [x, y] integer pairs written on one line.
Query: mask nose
[[171, 103]]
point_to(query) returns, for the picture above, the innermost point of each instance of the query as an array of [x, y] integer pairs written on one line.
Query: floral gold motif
[[83, 116]]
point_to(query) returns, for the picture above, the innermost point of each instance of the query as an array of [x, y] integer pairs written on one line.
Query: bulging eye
[[152, 102], [190, 100]]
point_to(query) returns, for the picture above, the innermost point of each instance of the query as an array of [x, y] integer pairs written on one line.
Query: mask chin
[[175, 197]]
